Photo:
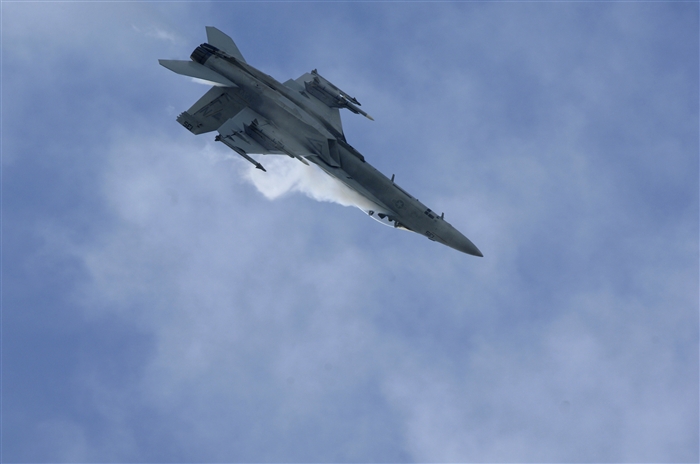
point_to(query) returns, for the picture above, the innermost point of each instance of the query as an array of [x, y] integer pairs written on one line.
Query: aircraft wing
[[249, 132], [322, 90], [233, 133], [330, 114], [212, 110]]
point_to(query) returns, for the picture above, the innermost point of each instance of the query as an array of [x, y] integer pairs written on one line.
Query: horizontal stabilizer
[[224, 43], [192, 69]]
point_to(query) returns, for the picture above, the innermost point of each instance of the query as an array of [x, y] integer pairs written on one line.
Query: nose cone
[[454, 239], [466, 246]]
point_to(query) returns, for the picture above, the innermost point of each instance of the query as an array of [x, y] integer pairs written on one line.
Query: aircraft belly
[[407, 210], [340, 175]]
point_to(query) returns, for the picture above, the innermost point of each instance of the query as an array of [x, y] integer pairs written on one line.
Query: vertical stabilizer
[[223, 42]]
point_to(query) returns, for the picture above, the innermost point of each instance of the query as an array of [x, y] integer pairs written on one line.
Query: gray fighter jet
[[255, 114]]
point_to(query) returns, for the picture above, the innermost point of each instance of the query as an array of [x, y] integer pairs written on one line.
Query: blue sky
[[158, 307]]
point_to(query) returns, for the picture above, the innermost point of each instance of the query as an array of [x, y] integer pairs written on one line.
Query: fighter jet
[[255, 114]]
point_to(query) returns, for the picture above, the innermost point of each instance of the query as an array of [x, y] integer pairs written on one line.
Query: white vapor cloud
[[157, 33], [285, 175], [205, 82]]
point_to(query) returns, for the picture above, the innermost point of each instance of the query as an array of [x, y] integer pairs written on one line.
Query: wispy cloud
[[157, 33]]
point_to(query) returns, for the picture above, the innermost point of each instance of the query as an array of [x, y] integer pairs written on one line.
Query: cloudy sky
[[157, 306]]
